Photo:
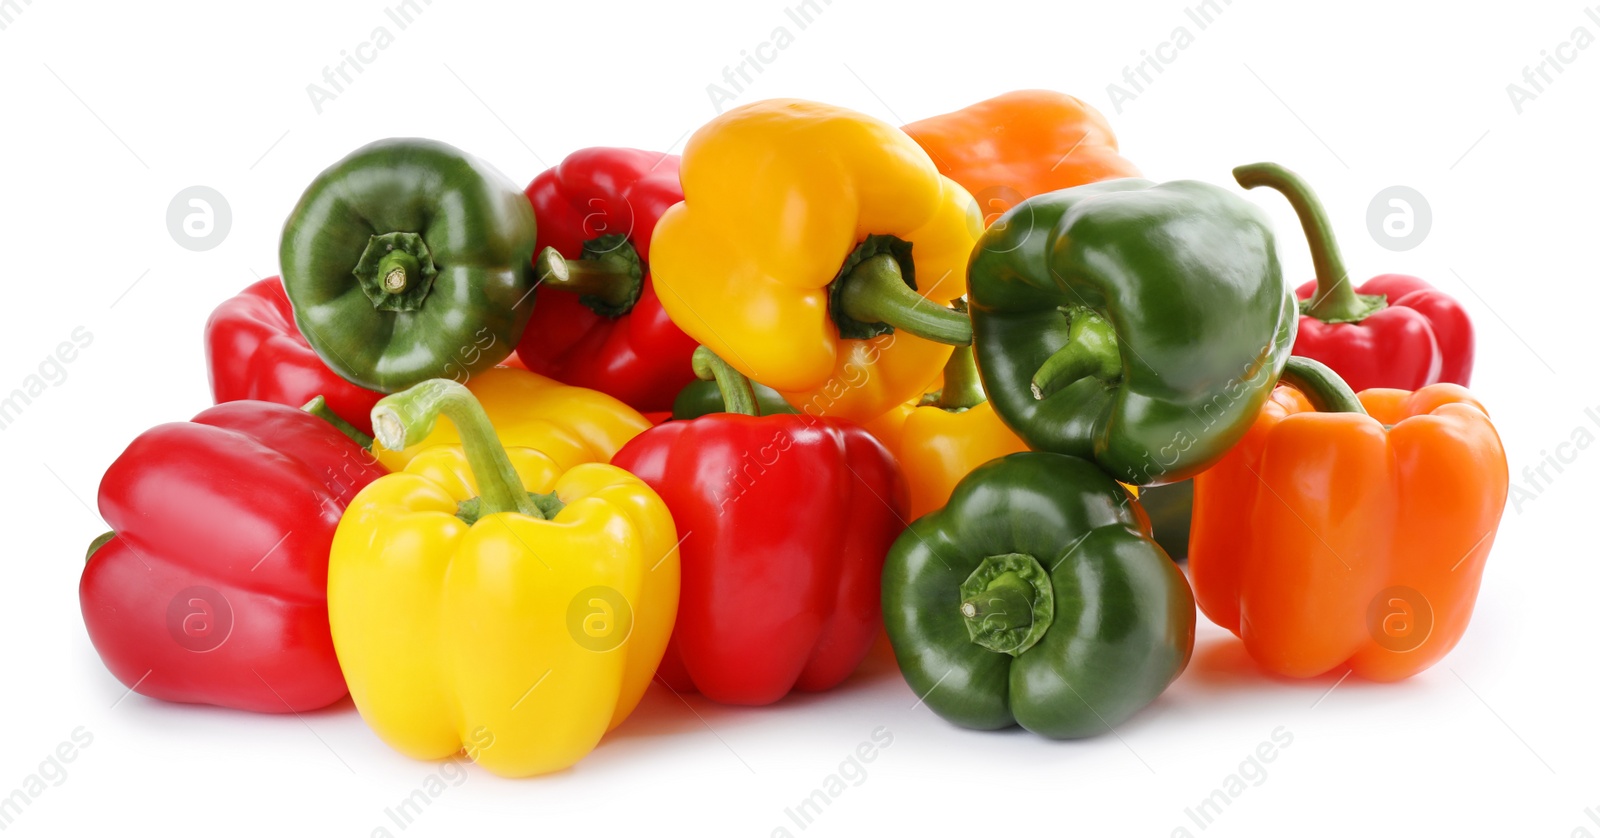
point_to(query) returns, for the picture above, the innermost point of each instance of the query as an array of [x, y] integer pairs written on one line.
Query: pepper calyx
[[547, 504], [100, 541], [1091, 350], [396, 271], [874, 294], [1008, 603], [608, 276]]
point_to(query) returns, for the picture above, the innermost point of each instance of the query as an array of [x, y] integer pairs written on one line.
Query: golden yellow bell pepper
[[488, 600], [815, 251], [571, 424], [940, 439]]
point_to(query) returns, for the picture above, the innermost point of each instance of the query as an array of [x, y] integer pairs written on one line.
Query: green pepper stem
[[1091, 350], [1006, 604], [962, 387], [737, 394], [407, 418], [318, 407], [1335, 300], [875, 291], [611, 281], [395, 270], [1321, 386], [100, 541]]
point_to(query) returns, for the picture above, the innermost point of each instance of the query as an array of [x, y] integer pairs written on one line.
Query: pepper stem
[[737, 394], [962, 387], [1335, 300], [1091, 350], [608, 279], [875, 291], [1321, 386], [1008, 603], [394, 269], [407, 418], [100, 541], [318, 407]]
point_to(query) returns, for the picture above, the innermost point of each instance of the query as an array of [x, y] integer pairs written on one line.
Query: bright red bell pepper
[[1394, 331], [596, 320], [786, 520], [255, 351], [211, 587]]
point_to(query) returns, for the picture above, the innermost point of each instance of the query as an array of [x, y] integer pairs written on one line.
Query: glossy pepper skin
[[254, 351], [944, 436], [572, 425], [1021, 144], [488, 600], [785, 522], [1037, 598], [1171, 509], [814, 244], [1136, 324], [212, 586], [1393, 331], [605, 329], [410, 260], [1350, 535]]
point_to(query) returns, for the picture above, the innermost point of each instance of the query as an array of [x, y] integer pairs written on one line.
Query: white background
[[111, 108]]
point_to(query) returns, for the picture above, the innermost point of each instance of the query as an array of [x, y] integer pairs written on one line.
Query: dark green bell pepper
[[410, 260], [699, 398], [1037, 597], [1171, 508], [1140, 325]]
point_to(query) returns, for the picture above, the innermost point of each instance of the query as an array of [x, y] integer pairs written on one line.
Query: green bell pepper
[[1037, 597], [1171, 508], [699, 398], [1140, 325], [410, 260]]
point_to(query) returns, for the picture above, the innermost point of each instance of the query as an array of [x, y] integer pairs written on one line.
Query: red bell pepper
[[211, 587], [255, 351], [596, 211], [1394, 331], [786, 520]]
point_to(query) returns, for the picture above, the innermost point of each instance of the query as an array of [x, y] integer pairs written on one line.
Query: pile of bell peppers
[[494, 460]]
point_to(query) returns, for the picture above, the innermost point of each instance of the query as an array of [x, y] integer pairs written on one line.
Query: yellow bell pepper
[[489, 600], [815, 251], [571, 424], [940, 439]]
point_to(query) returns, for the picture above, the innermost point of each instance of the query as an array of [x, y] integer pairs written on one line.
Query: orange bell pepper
[[1350, 534], [942, 438], [1021, 144]]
